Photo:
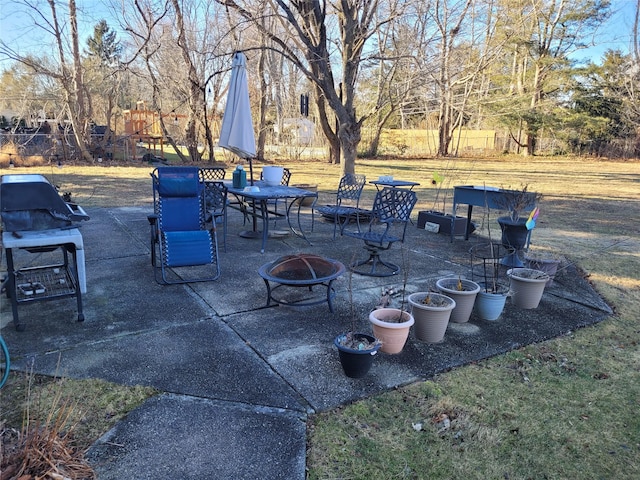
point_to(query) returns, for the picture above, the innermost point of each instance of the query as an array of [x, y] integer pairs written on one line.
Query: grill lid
[[30, 202]]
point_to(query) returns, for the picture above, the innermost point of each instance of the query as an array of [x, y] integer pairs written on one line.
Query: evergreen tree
[[103, 44]]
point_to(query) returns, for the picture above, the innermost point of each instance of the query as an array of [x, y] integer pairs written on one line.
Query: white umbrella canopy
[[236, 133]]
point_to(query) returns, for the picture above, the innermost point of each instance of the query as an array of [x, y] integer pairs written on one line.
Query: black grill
[[30, 202]]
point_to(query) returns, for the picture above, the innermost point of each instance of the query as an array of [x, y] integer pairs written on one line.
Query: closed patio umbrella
[[236, 133]]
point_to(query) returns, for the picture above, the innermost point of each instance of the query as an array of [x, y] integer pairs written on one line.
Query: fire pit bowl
[[301, 270]]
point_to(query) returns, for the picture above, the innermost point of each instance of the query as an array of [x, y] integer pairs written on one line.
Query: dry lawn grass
[[566, 408]]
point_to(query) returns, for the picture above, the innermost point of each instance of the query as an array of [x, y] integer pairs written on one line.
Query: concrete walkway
[[238, 379]]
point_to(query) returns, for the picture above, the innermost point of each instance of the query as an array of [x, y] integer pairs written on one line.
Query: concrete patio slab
[[237, 376]]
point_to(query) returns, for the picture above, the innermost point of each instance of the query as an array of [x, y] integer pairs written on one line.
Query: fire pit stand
[[301, 270]]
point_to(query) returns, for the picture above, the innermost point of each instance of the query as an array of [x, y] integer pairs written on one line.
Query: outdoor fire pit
[[301, 270]]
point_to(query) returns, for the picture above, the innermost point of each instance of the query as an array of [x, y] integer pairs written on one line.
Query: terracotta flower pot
[[388, 330], [464, 293], [431, 319], [527, 286]]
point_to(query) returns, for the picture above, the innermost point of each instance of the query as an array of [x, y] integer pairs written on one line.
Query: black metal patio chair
[[347, 206], [388, 224], [215, 201]]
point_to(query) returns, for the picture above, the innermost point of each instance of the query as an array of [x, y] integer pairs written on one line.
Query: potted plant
[[436, 219], [486, 268], [545, 261], [431, 312], [356, 350], [391, 325], [527, 286], [464, 292], [516, 229]]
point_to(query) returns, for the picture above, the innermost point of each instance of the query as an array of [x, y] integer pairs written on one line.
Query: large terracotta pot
[[431, 319], [388, 330]]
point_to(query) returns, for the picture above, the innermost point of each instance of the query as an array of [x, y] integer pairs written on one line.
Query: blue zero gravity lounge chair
[[179, 236]]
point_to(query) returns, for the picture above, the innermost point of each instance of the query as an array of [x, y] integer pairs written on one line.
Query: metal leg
[[265, 224], [266, 282], [375, 261], [299, 232], [77, 279], [11, 290]]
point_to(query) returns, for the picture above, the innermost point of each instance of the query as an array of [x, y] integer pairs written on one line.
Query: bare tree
[[67, 72], [179, 41], [320, 40], [395, 81]]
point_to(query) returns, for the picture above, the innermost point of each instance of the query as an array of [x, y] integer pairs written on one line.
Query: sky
[[17, 26], [615, 34]]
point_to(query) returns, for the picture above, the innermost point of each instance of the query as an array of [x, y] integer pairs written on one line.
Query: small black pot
[[356, 363]]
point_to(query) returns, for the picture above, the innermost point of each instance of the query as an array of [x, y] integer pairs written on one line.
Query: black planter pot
[[515, 235], [356, 363]]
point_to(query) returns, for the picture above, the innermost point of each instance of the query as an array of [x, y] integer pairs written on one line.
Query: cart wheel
[[20, 327], [81, 317]]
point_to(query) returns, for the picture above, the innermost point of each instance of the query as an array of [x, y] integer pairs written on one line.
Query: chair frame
[[215, 197], [160, 243], [349, 190], [212, 174], [390, 216]]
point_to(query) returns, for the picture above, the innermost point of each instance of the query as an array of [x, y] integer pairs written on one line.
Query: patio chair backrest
[[179, 198], [393, 205], [215, 196], [211, 174], [350, 187]]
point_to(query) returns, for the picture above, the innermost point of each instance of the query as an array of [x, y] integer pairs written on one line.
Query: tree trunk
[[330, 134], [350, 135]]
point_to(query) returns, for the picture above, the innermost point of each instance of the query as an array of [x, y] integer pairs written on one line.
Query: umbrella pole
[[252, 233]]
